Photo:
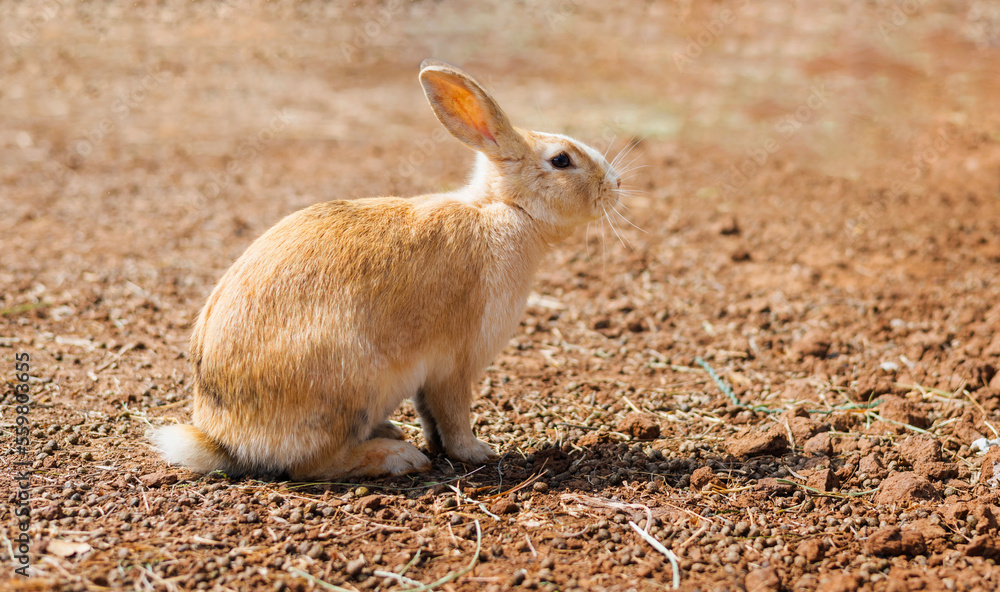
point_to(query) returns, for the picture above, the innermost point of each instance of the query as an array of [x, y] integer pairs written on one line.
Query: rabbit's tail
[[188, 446]]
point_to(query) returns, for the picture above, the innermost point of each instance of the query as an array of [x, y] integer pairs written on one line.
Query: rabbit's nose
[[619, 183]]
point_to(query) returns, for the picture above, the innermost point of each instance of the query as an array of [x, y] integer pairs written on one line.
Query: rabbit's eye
[[562, 161]]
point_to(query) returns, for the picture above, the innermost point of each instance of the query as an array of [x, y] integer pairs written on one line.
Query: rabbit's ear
[[468, 111]]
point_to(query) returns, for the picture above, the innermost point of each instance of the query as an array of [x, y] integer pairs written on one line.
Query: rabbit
[[342, 310]]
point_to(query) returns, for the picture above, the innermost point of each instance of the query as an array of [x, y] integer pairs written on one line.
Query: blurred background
[[787, 148], [313, 100]]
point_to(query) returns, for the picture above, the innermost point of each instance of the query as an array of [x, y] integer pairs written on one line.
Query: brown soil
[[820, 227]]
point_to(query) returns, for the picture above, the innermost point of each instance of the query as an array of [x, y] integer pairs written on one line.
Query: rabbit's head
[[556, 180]]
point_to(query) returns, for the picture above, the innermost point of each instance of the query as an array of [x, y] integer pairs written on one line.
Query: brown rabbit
[[342, 310]]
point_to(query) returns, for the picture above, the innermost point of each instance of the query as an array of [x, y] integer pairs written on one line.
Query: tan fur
[[342, 310]]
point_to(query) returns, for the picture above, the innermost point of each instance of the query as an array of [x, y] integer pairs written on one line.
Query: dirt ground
[[775, 369]]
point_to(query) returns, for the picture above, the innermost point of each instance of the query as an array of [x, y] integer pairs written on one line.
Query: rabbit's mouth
[[612, 196]]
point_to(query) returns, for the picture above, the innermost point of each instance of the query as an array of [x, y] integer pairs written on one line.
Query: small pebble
[[354, 567], [517, 578]]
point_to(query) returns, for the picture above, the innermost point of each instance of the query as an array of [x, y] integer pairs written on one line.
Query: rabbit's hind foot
[[386, 429], [371, 458]]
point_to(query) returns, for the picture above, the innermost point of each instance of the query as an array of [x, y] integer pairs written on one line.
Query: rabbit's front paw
[[473, 451]]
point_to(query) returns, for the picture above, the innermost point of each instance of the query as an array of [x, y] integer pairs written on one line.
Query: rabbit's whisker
[[588, 239], [625, 152], [624, 205], [611, 223], [634, 168], [605, 155], [604, 248], [628, 166], [618, 157], [632, 224]]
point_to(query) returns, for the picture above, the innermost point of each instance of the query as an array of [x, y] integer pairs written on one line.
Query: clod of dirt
[[639, 426], [985, 546], [591, 439], [819, 445], [922, 448], [871, 465], [840, 583], [815, 343], [812, 550], [993, 349], [703, 476], [755, 442], [553, 459], [965, 430], [898, 409], [823, 480], [772, 487], [764, 579], [931, 531], [905, 488], [989, 474], [369, 502], [892, 541], [872, 386], [161, 479], [936, 471], [846, 445], [843, 422], [505, 506], [802, 426], [985, 515]]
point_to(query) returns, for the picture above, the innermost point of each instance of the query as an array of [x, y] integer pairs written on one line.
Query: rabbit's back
[[338, 296]]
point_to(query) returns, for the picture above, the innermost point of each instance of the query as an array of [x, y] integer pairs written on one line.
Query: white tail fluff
[[188, 446]]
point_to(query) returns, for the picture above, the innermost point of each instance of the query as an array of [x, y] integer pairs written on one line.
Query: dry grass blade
[[597, 502], [878, 417], [526, 483], [459, 573], [827, 493], [670, 555], [322, 584]]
